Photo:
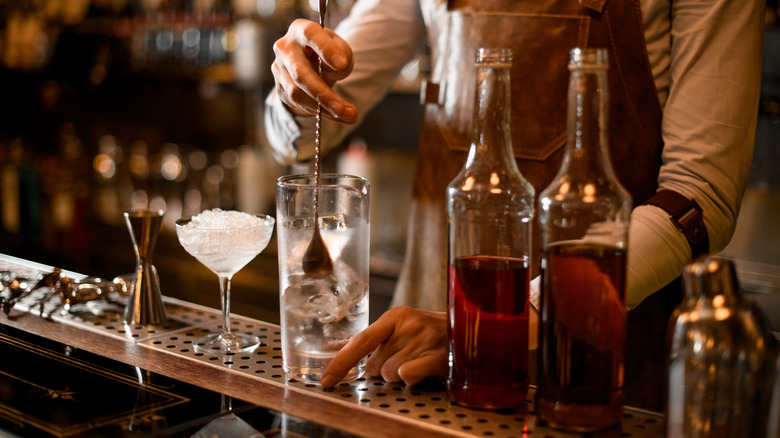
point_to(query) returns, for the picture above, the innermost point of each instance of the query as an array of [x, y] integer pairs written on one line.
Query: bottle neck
[[491, 144], [587, 149]]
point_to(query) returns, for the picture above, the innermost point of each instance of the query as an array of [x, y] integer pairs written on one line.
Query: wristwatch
[[687, 216]]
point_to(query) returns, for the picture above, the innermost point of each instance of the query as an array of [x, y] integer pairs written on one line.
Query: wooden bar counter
[[85, 373]]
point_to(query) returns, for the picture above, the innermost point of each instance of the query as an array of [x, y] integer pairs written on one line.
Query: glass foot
[[225, 343]]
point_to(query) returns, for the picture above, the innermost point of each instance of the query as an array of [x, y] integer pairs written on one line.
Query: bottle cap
[[493, 56], [588, 58], [710, 276]]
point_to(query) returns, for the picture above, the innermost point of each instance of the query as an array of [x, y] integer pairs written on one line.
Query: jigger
[[145, 305]]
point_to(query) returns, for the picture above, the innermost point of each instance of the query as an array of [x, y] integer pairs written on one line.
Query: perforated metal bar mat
[[424, 403]]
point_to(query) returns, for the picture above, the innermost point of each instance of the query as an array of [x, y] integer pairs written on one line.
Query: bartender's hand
[[408, 344], [295, 71]]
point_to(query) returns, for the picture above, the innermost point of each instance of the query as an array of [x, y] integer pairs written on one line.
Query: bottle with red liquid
[[490, 207], [584, 215]]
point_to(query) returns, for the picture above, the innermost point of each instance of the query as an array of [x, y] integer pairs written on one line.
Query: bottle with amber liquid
[[584, 215], [490, 207]]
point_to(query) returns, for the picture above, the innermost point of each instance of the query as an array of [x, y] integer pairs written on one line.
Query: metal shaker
[[719, 357]]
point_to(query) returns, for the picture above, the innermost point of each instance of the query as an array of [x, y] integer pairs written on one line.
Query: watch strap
[[687, 216]]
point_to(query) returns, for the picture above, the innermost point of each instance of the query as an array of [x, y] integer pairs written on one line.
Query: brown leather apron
[[541, 34]]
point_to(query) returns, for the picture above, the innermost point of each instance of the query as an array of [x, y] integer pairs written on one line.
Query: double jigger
[[145, 305]]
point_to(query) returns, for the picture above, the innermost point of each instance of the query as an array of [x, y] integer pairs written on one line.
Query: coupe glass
[[225, 241]]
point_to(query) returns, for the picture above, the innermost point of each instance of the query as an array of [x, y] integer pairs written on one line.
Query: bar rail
[[364, 407]]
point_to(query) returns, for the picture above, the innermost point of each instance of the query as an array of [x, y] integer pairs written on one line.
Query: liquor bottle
[[490, 207], [584, 215], [720, 359]]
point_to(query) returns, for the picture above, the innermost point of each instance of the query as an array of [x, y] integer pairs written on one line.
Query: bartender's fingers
[[336, 54], [417, 334], [356, 349], [434, 364], [295, 70], [400, 335], [297, 100], [423, 356]]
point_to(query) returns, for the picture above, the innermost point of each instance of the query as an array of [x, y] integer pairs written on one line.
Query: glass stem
[[226, 404], [224, 289]]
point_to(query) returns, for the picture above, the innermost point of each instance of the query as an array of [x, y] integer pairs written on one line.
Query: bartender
[[684, 85]]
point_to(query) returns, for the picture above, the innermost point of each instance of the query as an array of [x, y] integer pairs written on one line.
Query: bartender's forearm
[[708, 131], [657, 253]]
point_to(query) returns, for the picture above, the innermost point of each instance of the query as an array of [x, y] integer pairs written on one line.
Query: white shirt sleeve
[[384, 36], [710, 111], [281, 129]]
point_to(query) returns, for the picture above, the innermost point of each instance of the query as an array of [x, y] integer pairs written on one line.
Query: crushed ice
[[241, 228]]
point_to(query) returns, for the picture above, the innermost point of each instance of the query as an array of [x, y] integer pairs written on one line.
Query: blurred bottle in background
[[105, 196]]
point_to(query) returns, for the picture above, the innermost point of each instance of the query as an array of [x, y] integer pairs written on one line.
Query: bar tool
[[317, 262], [719, 357], [145, 305]]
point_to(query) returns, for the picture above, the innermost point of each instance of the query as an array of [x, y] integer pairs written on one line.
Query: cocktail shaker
[[719, 362]]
